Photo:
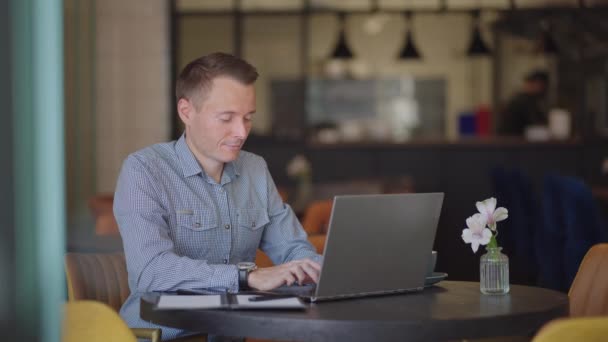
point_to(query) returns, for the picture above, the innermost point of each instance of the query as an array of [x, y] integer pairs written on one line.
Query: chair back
[[316, 217], [94, 322], [513, 189], [589, 291], [100, 206], [97, 276], [553, 231], [572, 224], [584, 224], [262, 259], [574, 329]]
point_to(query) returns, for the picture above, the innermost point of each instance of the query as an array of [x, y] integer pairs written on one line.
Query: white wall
[[79, 75], [132, 82]]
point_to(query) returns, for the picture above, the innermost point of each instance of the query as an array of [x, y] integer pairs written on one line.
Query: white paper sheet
[[189, 302]]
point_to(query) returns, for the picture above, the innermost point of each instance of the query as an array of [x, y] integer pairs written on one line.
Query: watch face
[[245, 265]]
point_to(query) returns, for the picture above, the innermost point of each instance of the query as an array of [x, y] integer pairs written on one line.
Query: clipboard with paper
[[228, 301]]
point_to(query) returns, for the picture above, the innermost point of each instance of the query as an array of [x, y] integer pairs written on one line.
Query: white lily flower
[[476, 233], [491, 214]]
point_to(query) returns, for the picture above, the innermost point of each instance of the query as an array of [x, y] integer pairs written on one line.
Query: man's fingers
[[289, 279], [267, 278], [302, 271], [310, 263], [311, 272], [299, 273], [314, 265], [306, 271], [312, 269]]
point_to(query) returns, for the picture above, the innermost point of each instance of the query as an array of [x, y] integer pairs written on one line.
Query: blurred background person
[[528, 107]]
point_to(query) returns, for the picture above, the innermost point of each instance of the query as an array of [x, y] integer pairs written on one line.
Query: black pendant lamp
[[547, 44], [342, 51], [477, 47], [409, 50]]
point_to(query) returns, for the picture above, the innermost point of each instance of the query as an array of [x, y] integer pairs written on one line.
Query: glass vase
[[494, 272]]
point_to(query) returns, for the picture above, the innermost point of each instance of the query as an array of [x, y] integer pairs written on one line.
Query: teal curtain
[[38, 160]]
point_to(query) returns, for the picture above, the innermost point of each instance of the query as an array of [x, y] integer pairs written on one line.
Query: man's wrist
[[250, 279]]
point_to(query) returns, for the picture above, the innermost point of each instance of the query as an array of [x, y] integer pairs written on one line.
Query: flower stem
[[493, 243]]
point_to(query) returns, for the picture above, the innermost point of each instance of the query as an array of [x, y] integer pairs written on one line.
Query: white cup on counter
[[559, 123]]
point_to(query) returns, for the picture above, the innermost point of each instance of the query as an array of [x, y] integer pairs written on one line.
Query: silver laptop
[[376, 244]]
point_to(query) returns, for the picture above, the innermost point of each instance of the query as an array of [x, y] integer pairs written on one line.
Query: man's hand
[[298, 271]]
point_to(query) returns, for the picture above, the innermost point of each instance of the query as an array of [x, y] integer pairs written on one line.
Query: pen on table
[[187, 292], [269, 297]]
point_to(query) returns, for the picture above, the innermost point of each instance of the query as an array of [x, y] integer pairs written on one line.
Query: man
[[527, 107], [190, 210]]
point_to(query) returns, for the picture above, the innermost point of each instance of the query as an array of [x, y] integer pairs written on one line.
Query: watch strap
[[243, 275]]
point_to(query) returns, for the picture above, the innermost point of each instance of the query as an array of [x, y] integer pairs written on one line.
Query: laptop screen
[[378, 244]]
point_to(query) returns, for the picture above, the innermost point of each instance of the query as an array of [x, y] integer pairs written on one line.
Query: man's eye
[[248, 117], [224, 118]]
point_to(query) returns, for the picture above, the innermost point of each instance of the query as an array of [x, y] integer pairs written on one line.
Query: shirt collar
[[232, 168], [191, 166]]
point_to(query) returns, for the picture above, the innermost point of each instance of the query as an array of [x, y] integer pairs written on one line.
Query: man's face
[[537, 87], [218, 129]]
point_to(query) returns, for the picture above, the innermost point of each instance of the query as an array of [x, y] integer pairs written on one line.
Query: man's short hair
[[195, 80], [538, 76]]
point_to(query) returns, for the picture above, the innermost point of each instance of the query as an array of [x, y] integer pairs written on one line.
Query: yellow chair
[[93, 321], [103, 278], [589, 291], [587, 329]]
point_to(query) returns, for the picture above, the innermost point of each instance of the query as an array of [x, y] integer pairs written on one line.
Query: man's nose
[[240, 129]]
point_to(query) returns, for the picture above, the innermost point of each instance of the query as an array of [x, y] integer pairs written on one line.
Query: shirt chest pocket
[[252, 219], [196, 221]]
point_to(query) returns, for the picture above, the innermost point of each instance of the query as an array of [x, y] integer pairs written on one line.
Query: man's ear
[[185, 109]]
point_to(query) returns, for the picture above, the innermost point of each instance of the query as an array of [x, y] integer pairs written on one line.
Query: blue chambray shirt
[[182, 230]]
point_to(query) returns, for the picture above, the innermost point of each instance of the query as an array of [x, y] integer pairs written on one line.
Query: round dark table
[[450, 310]]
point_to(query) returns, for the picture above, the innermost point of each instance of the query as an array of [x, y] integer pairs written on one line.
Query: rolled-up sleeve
[[152, 262]]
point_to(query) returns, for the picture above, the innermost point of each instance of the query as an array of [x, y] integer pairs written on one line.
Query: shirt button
[[197, 224], [227, 226], [225, 261]]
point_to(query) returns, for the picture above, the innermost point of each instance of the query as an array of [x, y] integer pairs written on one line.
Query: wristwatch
[[244, 269]]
